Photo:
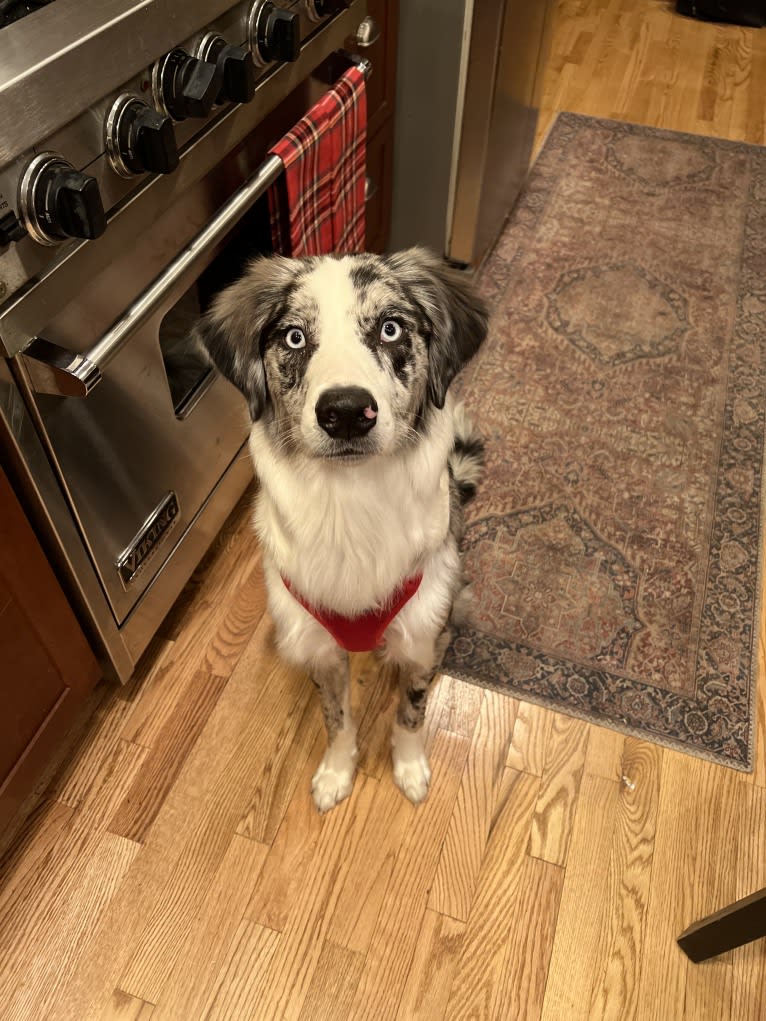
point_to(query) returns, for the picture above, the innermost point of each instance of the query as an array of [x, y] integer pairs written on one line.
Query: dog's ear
[[233, 329], [456, 317]]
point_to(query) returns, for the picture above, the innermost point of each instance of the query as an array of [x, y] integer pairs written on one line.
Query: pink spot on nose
[[369, 413]]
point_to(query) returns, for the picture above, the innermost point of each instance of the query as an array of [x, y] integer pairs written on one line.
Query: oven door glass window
[[188, 369]]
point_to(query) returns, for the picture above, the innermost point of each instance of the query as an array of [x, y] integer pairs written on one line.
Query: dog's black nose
[[346, 412]]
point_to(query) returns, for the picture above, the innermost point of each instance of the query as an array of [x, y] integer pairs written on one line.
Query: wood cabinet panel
[[31, 686], [381, 88], [48, 667], [381, 99], [379, 173]]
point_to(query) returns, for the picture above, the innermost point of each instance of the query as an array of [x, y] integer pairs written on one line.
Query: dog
[[364, 464]]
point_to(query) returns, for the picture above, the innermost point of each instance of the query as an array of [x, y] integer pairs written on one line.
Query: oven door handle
[[54, 370]]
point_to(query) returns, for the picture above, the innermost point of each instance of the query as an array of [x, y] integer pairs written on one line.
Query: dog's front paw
[[331, 783], [413, 778], [412, 774]]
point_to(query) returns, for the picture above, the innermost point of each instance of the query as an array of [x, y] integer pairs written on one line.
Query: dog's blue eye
[[295, 338], [390, 331]]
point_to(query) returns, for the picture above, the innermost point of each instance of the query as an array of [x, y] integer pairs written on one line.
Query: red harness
[[365, 632]]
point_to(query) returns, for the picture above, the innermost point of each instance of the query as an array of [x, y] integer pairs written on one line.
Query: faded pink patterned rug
[[615, 542]]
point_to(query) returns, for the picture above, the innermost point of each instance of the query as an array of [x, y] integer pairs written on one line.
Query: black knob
[[138, 139], [10, 229], [185, 86], [274, 33], [59, 202], [75, 205], [236, 65]]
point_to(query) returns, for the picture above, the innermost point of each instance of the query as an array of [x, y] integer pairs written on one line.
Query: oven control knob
[[273, 33], [318, 9], [184, 86], [58, 202], [10, 229], [138, 139], [237, 67]]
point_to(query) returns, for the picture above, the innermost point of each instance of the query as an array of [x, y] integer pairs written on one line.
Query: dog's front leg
[[412, 774], [334, 779]]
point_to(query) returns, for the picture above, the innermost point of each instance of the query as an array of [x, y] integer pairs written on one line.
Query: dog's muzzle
[[347, 413]]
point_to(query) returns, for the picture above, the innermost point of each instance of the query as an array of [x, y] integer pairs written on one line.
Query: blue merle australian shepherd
[[364, 464]]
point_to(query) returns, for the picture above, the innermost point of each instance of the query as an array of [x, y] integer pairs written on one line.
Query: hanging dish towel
[[317, 205]]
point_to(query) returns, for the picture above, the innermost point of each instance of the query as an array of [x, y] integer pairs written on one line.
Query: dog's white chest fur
[[347, 535]]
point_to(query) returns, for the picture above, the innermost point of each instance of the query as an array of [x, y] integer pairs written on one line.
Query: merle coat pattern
[[364, 465]]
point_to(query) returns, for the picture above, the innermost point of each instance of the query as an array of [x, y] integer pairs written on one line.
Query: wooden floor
[[176, 867]]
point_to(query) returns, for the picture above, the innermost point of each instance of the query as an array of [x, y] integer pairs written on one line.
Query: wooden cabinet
[[381, 100], [46, 665]]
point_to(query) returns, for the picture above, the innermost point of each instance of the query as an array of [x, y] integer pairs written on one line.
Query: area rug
[[615, 542]]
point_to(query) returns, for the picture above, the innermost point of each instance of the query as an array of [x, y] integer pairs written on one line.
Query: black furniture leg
[[733, 926]]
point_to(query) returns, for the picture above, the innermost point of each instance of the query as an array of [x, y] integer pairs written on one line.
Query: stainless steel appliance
[[133, 172], [468, 81]]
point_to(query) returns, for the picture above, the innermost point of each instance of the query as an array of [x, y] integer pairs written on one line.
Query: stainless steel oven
[[123, 210]]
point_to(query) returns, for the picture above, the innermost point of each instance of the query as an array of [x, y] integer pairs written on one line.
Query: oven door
[[138, 455]]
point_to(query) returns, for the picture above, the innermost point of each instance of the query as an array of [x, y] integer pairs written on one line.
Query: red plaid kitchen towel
[[317, 205]]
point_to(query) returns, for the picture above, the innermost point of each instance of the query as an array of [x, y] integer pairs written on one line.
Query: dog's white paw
[[334, 780], [413, 778], [412, 774]]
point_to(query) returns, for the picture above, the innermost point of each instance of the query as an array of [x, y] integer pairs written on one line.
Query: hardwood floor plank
[[560, 783], [392, 947], [755, 123], [432, 970], [371, 869], [476, 984], [530, 739], [232, 608], [276, 785], [615, 989], [693, 873], [190, 986], [44, 892], [716, 865], [233, 751], [462, 705], [291, 970], [584, 902], [123, 1007], [242, 974], [34, 843], [290, 855], [187, 842], [529, 942], [333, 985], [82, 772], [79, 902], [375, 718], [663, 967], [138, 809], [596, 949], [748, 963], [758, 775], [463, 849], [631, 84], [740, 85], [603, 756]]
